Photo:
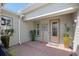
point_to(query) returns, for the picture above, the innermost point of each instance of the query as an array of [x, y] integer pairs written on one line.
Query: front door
[[55, 31]]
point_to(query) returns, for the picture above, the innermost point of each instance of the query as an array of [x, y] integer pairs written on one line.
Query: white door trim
[[56, 20]]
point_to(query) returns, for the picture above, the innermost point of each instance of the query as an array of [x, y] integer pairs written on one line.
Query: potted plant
[[33, 35], [6, 37], [67, 38]]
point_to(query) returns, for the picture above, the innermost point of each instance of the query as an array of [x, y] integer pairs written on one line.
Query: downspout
[[21, 18], [19, 30]]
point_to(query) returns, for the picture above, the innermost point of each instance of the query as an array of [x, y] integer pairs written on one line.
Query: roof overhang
[[53, 14], [32, 7]]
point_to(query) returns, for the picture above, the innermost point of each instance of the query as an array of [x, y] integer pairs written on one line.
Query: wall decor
[[5, 20]]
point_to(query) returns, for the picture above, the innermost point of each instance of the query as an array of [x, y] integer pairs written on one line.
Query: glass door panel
[[55, 31]]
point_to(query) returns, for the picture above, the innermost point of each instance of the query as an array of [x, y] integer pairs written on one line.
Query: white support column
[[76, 36], [74, 46], [48, 31]]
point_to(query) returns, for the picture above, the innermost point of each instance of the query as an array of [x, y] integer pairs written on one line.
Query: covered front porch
[[52, 22], [52, 30]]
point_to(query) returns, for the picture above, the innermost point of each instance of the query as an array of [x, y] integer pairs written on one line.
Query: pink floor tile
[[38, 48]]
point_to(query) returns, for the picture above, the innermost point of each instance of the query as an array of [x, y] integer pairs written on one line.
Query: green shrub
[[33, 35]]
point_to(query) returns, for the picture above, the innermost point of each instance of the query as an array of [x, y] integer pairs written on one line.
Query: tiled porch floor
[[37, 48], [58, 46]]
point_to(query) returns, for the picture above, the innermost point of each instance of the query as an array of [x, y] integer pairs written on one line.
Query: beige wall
[[15, 37], [68, 20], [25, 28], [64, 19]]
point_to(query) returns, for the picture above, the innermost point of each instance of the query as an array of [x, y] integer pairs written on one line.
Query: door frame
[[51, 21]]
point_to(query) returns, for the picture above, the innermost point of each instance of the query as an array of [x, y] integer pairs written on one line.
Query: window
[[37, 29], [54, 29]]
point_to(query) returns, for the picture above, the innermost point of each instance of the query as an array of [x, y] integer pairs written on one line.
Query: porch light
[[75, 21], [22, 17]]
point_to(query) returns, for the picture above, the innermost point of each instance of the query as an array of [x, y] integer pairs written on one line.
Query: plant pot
[[67, 41], [5, 40]]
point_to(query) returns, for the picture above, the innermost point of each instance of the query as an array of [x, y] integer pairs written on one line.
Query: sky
[[16, 6]]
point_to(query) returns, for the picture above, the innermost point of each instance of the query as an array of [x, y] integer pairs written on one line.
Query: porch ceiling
[[53, 14], [33, 6]]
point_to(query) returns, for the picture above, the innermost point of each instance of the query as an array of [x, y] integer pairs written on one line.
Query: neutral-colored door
[[55, 31], [44, 31]]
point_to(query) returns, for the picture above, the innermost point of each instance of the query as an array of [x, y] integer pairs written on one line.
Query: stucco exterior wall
[[64, 19], [25, 28], [15, 37], [68, 20]]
